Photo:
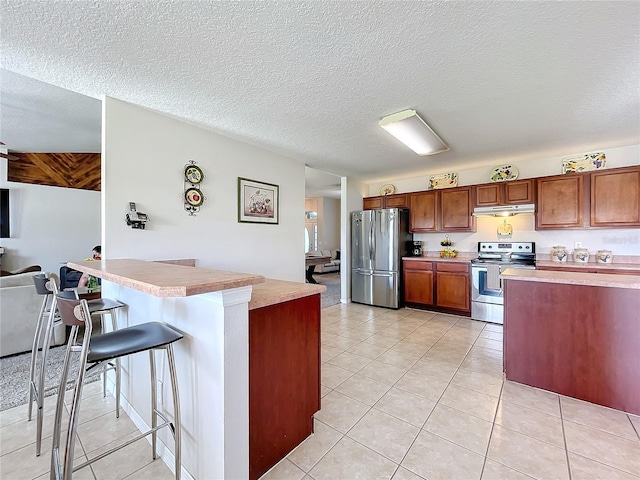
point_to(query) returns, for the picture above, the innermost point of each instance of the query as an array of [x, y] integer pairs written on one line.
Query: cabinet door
[[488, 195], [396, 201], [519, 191], [452, 290], [453, 286], [561, 202], [372, 203], [418, 282], [456, 206], [615, 198], [423, 208]]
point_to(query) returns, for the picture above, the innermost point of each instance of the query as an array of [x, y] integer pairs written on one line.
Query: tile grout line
[[564, 438], [493, 424], [634, 427]]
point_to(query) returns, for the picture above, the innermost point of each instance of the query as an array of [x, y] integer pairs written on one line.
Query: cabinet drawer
[[452, 267], [417, 265]]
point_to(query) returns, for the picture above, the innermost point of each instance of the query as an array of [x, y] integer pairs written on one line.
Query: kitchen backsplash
[[619, 241]]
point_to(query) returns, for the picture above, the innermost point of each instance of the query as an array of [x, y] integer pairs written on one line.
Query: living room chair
[[94, 352], [47, 287]]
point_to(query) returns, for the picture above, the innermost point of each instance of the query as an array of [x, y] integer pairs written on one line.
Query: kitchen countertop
[[575, 278], [589, 265], [279, 291], [441, 259], [165, 280]]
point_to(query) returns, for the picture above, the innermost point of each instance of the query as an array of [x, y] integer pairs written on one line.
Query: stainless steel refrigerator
[[379, 240]]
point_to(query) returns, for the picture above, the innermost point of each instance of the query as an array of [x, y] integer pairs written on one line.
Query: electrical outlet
[[577, 245]]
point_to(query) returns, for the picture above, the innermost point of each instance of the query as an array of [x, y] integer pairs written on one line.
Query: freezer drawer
[[380, 289]]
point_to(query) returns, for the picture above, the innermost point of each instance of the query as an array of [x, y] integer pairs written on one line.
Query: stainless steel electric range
[[487, 302]]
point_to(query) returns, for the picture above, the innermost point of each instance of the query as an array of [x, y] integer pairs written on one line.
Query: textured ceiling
[[496, 80]]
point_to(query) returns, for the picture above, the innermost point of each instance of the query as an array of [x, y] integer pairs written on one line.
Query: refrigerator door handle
[[382, 274], [371, 238]]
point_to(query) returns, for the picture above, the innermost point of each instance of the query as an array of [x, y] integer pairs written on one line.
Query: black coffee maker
[[416, 251]]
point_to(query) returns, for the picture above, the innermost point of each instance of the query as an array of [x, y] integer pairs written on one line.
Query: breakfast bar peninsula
[[577, 334], [248, 365]]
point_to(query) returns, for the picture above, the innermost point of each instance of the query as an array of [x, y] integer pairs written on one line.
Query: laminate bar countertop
[[589, 265], [273, 291], [165, 280], [573, 278]]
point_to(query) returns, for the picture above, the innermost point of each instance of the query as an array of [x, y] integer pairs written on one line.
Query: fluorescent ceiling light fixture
[[411, 130]]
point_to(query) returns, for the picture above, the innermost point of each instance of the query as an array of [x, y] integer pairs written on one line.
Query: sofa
[[19, 309], [332, 266]]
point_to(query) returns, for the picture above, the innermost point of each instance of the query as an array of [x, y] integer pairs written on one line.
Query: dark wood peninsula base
[[284, 379], [581, 341]]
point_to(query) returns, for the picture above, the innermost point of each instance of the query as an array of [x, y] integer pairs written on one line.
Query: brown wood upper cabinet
[[446, 210], [423, 211], [615, 197], [562, 200], [456, 208], [505, 193], [398, 200]]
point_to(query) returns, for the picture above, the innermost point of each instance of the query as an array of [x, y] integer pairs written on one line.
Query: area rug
[[14, 376], [332, 282]]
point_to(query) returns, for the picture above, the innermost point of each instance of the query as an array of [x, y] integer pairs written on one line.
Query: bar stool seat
[[97, 350], [130, 340], [48, 319]]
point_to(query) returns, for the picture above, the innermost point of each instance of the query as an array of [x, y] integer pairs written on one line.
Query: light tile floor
[[98, 429], [407, 395], [414, 395]]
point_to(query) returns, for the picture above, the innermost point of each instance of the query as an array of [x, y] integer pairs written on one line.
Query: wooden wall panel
[[70, 170]]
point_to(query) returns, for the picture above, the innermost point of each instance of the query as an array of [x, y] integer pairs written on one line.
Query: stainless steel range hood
[[504, 210]]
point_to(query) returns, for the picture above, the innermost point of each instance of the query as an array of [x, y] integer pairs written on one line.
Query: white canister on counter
[[581, 255], [559, 253], [604, 256]]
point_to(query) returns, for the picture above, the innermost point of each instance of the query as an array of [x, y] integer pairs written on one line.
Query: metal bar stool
[[48, 287], [97, 350]]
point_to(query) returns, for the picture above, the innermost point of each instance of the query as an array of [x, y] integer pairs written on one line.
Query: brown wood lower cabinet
[[577, 340], [418, 282], [453, 286], [438, 285], [284, 379]]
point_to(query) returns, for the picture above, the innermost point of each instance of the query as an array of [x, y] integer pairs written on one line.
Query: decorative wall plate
[[444, 180], [388, 189], [193, 196], [504, 173], [193, 174], [583, 163]]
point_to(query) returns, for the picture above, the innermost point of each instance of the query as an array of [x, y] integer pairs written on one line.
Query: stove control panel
[[509, 247]]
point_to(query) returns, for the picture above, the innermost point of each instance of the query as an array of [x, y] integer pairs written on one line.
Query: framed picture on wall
[[258, 202]]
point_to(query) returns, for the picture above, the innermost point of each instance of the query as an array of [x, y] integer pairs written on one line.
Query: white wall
[[330, 224], [49, 225], [619, 241], [144, 154], [616, 157]]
